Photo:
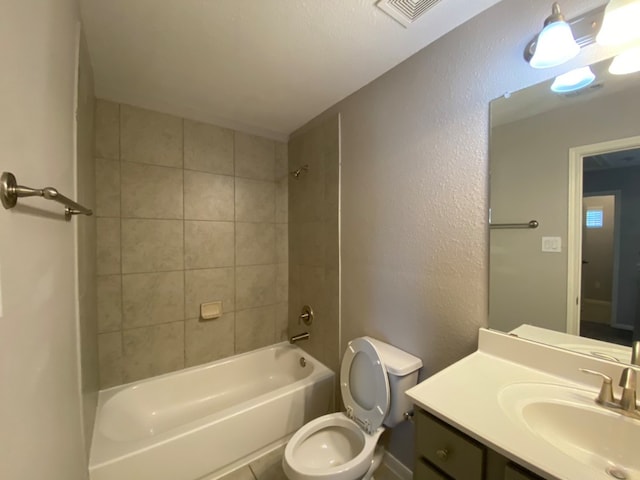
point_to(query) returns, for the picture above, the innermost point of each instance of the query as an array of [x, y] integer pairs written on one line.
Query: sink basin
[[569, 420]]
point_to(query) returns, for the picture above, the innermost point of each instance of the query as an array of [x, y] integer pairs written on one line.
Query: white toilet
[[342, 446]]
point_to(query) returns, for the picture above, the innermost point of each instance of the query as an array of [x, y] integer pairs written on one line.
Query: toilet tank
[[402, 370]]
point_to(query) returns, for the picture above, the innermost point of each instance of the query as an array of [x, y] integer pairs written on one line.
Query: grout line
[[235, 239], [184, 261], [122, 356]]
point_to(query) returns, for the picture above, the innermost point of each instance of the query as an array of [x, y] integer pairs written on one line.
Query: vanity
[[517, 409]]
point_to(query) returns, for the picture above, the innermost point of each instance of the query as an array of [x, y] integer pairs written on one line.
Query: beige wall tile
[[282, 322], [107, 121], [210, 285], [208, 244], [282, 243], [208, 148], [108, 245], [107, 188], [282, 161], [255, 286], [152, 245], [150, 137], [282, 282], [206, 341], [255, 201], [255, 157], [110, 359], [109, 292], [307, 243], [255, 328], [255, 243], [208, 196], [150, 191], [151, 351], [282, 201], [152, 298]]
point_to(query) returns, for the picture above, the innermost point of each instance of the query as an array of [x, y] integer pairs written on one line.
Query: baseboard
[[397, 467]]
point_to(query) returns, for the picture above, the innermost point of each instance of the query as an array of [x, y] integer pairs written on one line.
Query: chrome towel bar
[[531, 224], [10, 192]]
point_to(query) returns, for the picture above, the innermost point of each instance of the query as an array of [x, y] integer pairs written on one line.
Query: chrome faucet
[[297, 338], [627, 403], [635, 353]]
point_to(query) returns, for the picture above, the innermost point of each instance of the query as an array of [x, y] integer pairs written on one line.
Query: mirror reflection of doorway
[[609, 300]]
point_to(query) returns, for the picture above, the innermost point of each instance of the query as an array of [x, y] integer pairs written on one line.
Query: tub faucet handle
[[306, 315]]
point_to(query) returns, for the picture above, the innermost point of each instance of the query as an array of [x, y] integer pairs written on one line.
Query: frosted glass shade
[[573, 80], [627, 62], [621, 23], [555, 46]]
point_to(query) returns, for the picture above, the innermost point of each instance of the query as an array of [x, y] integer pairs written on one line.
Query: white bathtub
[[199, 422]]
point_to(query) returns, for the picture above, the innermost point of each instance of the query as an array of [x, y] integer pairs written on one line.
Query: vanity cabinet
[[444, 453]]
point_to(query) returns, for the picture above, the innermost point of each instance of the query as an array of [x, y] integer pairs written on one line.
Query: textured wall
[[530, 180], [39, 368], [86, 238], [187, 213], [314, 239], [414, 186]]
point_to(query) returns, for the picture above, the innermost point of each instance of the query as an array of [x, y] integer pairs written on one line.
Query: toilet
[[343, 446]]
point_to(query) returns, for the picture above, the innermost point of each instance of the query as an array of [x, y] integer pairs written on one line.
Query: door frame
[[574, 227]]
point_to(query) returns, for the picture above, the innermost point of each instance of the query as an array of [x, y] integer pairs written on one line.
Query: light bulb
[[555, 46], [627, 62], [621, 23], [573, 80]]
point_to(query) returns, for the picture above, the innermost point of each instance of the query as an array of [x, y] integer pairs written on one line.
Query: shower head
[[298, 172]]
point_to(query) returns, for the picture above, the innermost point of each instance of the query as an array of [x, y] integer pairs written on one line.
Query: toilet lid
[[364, 384]]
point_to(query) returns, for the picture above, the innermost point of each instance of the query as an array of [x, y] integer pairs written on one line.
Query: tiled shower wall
[[187, 213], [314, 247]]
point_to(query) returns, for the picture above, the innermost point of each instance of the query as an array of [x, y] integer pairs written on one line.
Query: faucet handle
[[606, 392]]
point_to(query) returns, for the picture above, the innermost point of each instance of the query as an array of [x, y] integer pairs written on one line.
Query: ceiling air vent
[[405, 12]]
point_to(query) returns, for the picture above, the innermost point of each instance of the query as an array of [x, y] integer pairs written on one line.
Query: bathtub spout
[[297, 338]]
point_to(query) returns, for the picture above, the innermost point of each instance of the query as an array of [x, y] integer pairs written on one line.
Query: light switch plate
[[552, 244]]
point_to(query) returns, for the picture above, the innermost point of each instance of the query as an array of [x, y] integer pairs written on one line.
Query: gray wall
[[530, 180], [187, 213], [414, 186], [628, 181], [41, 414]]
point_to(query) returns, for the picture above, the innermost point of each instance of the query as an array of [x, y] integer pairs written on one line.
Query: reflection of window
[[594, 218]]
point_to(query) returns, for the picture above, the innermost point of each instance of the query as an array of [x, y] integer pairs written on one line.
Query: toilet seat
[[364, 384], [354, 449]]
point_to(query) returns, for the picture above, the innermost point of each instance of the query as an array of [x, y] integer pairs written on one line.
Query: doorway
[[604, 242]]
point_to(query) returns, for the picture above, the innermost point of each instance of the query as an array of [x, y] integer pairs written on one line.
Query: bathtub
[[203, 421]]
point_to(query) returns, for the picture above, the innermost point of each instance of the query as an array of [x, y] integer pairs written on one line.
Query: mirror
[[571, 163]]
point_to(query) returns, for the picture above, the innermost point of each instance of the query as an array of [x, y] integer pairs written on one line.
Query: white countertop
[[466, 395]]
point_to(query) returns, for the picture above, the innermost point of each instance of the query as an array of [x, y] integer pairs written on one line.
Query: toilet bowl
[[342, 446]]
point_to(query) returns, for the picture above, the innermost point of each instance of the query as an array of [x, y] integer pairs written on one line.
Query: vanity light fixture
[[627, 62], [555, 44], [621, 23], [574, 80]]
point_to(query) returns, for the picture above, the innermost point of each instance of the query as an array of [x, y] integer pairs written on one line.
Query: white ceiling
[[263, 66]]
